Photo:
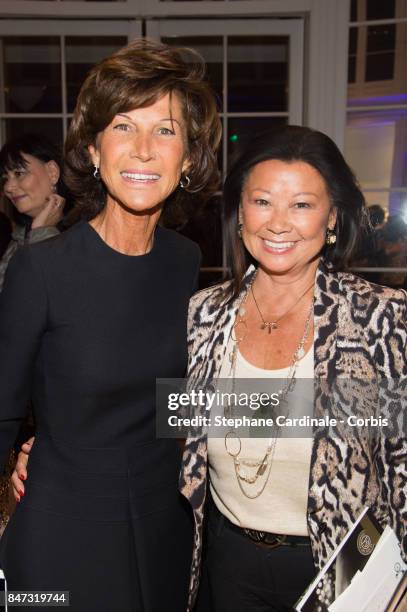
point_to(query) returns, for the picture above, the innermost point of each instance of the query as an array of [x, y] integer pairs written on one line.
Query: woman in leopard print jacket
[[293, 211]]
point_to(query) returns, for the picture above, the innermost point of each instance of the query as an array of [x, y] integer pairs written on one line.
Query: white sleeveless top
[[282, 506]]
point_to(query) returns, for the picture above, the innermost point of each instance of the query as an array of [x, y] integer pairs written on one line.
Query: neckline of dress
[[108, 249]]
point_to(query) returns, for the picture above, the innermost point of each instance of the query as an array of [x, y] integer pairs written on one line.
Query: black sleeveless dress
[[84, 333]]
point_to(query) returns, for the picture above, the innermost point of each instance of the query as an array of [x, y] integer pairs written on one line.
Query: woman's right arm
[[23, 317]]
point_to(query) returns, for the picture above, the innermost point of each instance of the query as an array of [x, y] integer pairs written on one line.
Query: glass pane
[[51, 128], [380, 67], [398, 204], [381, 38], [32, 74], [353, 43], [205, 228], [240, 132], [381, 41], [353, 40], [376, 148], [380, 9], [211, 49], [351, 69], [354, 10], [81, 54], [258, 73]]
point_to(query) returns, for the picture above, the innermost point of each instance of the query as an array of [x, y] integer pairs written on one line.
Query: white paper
[[326, 567], [372, 588]]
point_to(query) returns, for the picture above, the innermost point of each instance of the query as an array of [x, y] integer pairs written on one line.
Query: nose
[[8, 185], [142, 147], [278, 222]]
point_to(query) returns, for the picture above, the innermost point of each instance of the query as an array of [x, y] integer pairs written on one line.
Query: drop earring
[[330, 237]]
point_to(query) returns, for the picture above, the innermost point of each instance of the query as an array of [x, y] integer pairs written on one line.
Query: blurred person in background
[[369, 252], [394, 247], [30, 175], [30, 171], [378, 216]]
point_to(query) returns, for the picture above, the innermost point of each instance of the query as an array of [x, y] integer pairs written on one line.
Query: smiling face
[[142, 153], [29, 186], [285, 210]]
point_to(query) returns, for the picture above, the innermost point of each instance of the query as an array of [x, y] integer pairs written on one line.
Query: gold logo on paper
[[364, 543]]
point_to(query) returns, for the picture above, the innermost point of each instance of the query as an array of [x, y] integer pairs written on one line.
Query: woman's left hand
[[20, 471]]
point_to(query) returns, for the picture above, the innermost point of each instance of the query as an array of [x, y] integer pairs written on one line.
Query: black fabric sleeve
[[23, 314], [198, 260]]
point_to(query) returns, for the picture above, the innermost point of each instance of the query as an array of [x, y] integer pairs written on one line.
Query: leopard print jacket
[[360, 331]]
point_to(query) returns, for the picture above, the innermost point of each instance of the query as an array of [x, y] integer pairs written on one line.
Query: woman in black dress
[[88, 321]]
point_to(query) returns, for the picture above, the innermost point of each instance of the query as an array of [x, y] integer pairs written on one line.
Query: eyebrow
[[300, 193], [159, 120], [260, 189], [311, 193]]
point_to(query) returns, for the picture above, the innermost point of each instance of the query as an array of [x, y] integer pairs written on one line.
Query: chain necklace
[[269, 325], [263, 465]]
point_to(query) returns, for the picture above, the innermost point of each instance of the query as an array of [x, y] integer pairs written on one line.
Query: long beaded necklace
[[266, 462]]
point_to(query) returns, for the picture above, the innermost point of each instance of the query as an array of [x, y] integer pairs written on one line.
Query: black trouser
[[240, 576]]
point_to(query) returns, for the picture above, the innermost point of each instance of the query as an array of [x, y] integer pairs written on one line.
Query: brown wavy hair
[[136, 77]]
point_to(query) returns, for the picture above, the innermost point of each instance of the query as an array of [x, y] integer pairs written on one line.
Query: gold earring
[[330, 237]]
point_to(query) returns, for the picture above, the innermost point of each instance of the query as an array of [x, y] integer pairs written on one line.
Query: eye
[[261, 202], [302, 205], [20, 173], [166, 131], [124, 127]]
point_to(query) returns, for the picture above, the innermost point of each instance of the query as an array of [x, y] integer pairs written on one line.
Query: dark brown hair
[[296, 143], [136, 77]]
